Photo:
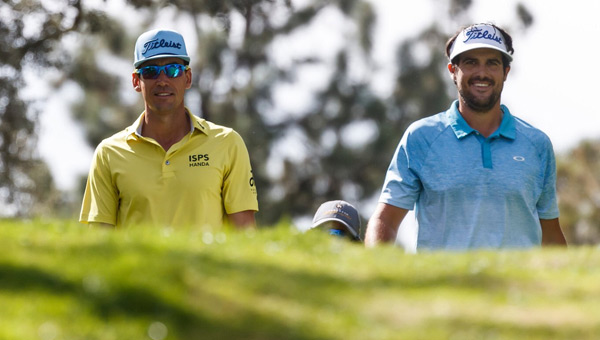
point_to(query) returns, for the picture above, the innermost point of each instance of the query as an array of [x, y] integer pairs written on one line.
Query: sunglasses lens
[[149, 72], [171, 70]]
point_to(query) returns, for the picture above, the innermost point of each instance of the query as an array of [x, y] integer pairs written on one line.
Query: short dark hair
[[507, 42]]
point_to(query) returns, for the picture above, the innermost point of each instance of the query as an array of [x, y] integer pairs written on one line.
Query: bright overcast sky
[[551, 81], [550, 84], [553, 76]]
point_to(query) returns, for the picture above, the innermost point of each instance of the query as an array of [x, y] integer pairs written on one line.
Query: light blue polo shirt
[[470, 191]]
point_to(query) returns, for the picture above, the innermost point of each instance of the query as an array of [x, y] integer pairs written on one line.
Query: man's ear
[[135, 80], [506, 70], [452, 70], [188, 79]]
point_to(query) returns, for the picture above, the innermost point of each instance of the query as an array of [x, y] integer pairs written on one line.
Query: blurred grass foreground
[[61, 280]]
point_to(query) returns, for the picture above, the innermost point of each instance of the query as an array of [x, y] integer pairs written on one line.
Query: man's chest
[[500, 167], [148, 170]]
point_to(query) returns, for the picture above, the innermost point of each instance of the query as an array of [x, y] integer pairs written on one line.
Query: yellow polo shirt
[[200, 179]]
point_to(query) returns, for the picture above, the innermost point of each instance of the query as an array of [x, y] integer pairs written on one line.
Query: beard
[[481, 104]]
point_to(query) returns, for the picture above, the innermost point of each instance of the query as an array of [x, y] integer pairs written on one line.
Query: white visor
[[479, 36]]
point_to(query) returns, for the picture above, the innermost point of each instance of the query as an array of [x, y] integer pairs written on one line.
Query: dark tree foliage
[[578, 185], [29, 33]]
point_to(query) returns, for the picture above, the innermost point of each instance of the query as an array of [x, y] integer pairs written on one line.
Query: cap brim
[[161, 56], [470, 47], [352, 231]]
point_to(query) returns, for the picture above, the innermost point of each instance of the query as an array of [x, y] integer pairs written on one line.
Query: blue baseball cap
[[158, 44]]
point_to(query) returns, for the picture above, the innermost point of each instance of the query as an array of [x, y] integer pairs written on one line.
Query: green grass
[[62, 280]]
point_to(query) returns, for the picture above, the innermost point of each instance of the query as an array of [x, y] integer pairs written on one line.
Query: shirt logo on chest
[[519, 158], [198, 160]]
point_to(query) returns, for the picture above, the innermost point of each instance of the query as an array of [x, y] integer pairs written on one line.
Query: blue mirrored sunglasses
[[171, 70], [337, 232]]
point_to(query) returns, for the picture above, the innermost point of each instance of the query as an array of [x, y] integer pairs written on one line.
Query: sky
[[552, 83]]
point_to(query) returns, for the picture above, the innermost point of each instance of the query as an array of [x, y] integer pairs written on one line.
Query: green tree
[[29, 33], [578, 185]]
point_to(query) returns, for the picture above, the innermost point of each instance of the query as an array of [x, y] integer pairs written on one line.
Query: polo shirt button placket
[[167, 170]]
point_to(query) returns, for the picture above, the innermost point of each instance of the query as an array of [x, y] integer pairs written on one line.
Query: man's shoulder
[[436, 121], [526, 126], [426, 132], [531, 132], [223, 133], [117, 139], [216, 130], [429, 127], [114, 144]]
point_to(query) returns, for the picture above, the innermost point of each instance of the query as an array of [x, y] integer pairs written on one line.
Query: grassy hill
[[64, 281]]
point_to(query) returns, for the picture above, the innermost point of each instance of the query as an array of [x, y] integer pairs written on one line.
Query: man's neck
[[166, 130], [486, 123]]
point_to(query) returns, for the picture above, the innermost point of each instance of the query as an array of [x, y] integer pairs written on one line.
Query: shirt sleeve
[[547, 205], [402, 185], [100, 200], [239, 189]]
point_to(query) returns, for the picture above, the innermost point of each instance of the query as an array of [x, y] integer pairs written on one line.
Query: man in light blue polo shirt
[[478, 176]]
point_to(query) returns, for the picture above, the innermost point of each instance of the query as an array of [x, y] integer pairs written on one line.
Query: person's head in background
[[338, 218]]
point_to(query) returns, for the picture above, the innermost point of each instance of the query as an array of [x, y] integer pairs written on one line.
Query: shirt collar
[[197, 123], [461, 129]]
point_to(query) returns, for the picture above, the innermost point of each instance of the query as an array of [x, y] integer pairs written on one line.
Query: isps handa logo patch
[[198, 160]]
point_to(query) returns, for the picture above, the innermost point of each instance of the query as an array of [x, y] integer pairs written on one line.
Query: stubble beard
[[481, 105]]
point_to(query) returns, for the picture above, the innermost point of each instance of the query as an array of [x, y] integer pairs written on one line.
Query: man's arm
[[552, 234], [383, 225], [243, 219]]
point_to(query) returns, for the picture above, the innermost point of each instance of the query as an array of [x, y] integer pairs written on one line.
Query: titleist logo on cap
[[476, 33], [156, 44], [162, 43], [480, 36]]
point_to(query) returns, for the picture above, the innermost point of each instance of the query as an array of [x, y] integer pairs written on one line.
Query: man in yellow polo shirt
[[170, 168]]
